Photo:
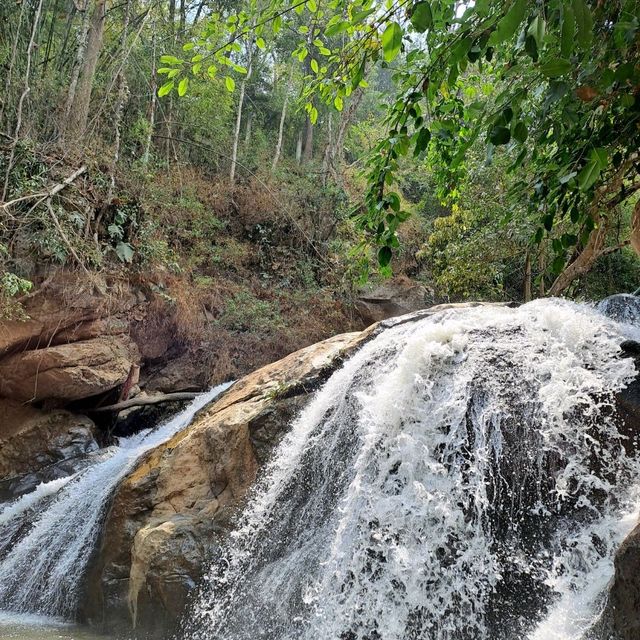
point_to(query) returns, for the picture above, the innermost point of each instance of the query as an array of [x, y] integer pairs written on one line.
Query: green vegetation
[[266, 152]]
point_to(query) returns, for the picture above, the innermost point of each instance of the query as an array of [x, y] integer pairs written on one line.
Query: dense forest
[[267, 157]]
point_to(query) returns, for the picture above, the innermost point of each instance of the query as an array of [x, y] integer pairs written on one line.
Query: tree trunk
[[79, 112], [283, 114], [299, 147], [75, 73], [527, 277], [635, 228], [307, 149], [586, 258], [23, 97], [541, 268], [152, 106], [247, 131], [14, 51], [236, 133]]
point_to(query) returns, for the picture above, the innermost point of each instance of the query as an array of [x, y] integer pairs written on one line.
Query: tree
[[565, 101]]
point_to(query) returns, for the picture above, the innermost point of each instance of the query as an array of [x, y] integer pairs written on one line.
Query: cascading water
[[47, 536], [462, 477]]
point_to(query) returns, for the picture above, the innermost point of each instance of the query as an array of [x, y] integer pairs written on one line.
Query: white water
[[460, 478], [47, 536]]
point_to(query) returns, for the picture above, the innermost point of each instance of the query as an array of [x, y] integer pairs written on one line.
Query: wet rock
[[35, 444], [623, 307], [167, 516]]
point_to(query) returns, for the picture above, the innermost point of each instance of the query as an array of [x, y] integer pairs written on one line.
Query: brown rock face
[[167, 516], [392, 298], [67, 371], [31, 440]]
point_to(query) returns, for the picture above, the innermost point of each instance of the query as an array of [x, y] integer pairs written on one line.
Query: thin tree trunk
[[198, 12], [14, 51], [283, 115], [247, 131], [236, 133], [542, 267], [75, 74], [183, 16], [47, 52], [527, 277], [635, 228], [307, 149], [79, 112], [299, 147], [152, 107], [23, 97]]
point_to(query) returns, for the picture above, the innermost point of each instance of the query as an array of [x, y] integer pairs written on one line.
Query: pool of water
[[17, 626]]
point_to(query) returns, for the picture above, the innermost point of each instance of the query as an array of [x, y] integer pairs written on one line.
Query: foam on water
[[462, 477], [47, 536]]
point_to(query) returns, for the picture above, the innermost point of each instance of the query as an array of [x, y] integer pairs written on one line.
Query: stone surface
[[67, 371], [394, 297], [32, 440], [164, 518]]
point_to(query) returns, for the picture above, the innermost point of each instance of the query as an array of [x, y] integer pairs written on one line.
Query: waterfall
[[461, 477], [47, 536]]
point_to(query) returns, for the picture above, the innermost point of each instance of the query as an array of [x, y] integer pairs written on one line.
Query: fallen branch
[[141, 402], [44, 195]]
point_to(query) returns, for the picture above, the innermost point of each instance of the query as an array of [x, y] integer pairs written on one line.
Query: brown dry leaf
[[586, 93]]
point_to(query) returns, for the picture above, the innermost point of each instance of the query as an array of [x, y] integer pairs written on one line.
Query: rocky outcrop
[[168, 515], [391, 298], [73, 344], [67, 371], [35, 445]]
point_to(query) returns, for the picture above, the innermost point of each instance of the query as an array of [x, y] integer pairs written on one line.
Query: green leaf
[[499, 136], [509, 23], [170, 60], [520, 132], [384, 256], [338, 103], [182, 87], [422, 18], [166, 88], [584, 22], [422, 142], [335, 29], [260, 43], [568, 32], [555, 67], [597, 162], [314, 65], [124, 251], [313, 115], [312, 5], [230, 83], [536, 29], [391, 41]]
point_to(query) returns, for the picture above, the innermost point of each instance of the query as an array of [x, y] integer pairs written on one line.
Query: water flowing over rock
[[461, 477], [468, 474], [47, 536], [172, 511]]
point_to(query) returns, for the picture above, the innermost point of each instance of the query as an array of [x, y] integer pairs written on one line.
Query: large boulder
[[67, 371], [391, 298], [36, 445], [165, 518]]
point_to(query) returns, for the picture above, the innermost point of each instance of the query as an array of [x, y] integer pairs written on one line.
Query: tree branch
[[142, 402]]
